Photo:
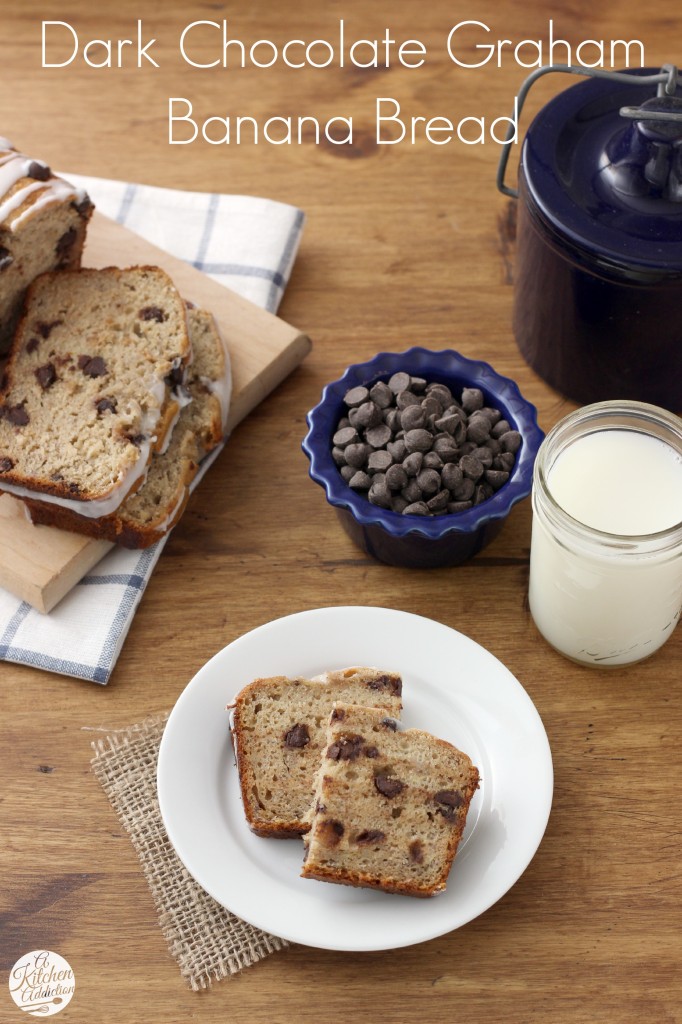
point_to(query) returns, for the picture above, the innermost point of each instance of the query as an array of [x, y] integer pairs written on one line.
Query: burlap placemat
[[207, 941]]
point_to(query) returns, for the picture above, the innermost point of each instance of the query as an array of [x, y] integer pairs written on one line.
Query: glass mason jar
[[602, 598]]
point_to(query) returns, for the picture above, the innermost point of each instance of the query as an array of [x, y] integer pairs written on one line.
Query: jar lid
[[609, 179]]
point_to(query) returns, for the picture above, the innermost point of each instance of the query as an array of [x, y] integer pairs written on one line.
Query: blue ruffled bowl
[[419, 541]]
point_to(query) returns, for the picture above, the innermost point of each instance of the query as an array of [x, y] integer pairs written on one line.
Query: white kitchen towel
[[246, 243]]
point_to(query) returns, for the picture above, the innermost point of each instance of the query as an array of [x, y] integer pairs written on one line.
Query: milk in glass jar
[[606, 552]]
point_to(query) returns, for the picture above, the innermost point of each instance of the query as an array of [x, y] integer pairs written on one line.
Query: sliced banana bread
[[389, 807], [278, 728], [148, 514], [88, 386], [43, 221]]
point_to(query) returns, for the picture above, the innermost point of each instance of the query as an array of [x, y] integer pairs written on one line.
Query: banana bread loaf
[[278, 728], [389, 807], [43, 221], [148, 514], [88, 386]]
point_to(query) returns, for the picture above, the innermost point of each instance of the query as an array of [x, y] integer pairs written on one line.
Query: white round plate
[[451, 687]]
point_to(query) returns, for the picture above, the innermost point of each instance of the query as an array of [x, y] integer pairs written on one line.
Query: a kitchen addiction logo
[[41, 983]]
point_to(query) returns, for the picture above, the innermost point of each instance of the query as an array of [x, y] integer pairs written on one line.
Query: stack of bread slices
[[114, 389], [378, 807]]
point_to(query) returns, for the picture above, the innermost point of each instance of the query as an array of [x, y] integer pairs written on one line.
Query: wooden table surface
[[403, 244]]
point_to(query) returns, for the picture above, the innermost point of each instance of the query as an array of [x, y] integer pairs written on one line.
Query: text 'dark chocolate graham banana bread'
[[148, 514], [88, 385], [389, 806], [43, 221], [279, 728]]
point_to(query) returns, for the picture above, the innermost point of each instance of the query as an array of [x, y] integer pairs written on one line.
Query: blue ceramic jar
[[598, 278]]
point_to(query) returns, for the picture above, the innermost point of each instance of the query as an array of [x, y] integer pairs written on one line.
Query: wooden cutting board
[[40, 564]]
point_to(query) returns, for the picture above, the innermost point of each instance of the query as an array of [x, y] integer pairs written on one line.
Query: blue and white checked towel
[[246, 243]]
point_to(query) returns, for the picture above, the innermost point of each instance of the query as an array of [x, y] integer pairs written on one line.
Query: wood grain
[[41, 564], [402, 246]]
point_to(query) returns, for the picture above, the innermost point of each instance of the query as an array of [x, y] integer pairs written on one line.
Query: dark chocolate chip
[[438, 502], [359, 481], [413, 462], [416, 851], [346, 748], [381, 395], [65, 244], [74, 488], [417, 508], [345, 436], [84, 207], [137, 439], [355, 397], [298, 736], [379, 462], [38, 171], [399, 382], [45, 328], [389, 723], [329, 832], [46, 375], [413, 417], [472, 399], [429, 481], [6, 257], [511, 441], [92, 366], [368, 415], [371, 752], [378, 436], [105, 405], [338, 715], [153, 313], [356, 455], [15, 414], [6, 464], [418, 440], [393, 684], [370, 836], [388, 786], [320, 808], [448, 801], [175, 378], [32, 344], [471, 467]]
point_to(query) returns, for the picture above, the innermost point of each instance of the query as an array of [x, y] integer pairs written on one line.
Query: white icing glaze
[[96, 507], [182, 398], [15, 166]]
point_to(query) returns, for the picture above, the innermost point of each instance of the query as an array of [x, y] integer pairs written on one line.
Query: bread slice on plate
[[148, 514], [43, 221], [279, 729], [389, 806], [88, 389]]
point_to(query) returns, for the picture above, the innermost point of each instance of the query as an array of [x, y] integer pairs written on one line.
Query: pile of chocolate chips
[[416, 449]]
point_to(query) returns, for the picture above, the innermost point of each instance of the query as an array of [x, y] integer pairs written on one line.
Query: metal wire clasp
[[665, 79]]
